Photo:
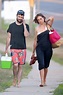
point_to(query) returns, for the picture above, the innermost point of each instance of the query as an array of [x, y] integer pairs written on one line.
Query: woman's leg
[[45, 74], [47, 58], [42, 77]]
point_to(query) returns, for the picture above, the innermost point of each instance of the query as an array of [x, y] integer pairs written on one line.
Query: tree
[[31, 3], [0, 11]]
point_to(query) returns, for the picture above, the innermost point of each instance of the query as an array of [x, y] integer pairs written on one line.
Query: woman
[[42, 45]]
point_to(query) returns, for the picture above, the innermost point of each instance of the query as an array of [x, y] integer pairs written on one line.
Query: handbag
[[55, 38]]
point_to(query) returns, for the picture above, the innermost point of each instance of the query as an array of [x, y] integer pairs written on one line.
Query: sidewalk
[[30, 85]]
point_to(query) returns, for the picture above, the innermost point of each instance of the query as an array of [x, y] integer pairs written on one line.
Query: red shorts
[[18, 56]]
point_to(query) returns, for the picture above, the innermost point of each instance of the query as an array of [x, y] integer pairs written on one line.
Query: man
[[17, 33]]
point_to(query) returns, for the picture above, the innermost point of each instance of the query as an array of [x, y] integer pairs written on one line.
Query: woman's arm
[[35, 43], [50, 21]]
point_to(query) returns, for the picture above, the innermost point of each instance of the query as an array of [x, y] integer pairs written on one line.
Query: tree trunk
[[31, 20], [0, 11]]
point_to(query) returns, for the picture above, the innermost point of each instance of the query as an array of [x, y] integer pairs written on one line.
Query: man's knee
[[15, 65]]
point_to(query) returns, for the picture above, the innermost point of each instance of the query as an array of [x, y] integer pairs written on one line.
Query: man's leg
[[14, 54], [19, 74], [21, 57], [15, 72]]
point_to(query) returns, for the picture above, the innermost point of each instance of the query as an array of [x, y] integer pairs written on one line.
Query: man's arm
[[26, 31], [7, 42]]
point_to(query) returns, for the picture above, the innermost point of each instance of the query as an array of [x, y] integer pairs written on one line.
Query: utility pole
[[0, 11], [37, 6], [31, 3]]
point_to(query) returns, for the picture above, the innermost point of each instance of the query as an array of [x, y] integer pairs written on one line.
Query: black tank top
[[43, 40]]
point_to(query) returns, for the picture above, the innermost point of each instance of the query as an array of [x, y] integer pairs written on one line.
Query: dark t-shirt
[[17, 36]]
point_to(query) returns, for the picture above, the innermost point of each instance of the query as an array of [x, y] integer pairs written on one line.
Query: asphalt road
[[53, 9]]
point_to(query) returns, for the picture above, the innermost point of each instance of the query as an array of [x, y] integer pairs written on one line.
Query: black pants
[[43, 57]]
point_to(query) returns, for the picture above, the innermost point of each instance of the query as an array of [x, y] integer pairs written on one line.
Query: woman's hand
[[33, 54]]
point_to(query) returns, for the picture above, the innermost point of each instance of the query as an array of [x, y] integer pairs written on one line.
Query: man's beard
[[19, 21]]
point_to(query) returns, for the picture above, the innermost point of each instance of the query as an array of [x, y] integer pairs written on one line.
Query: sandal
[[33, 60], [41, 85]]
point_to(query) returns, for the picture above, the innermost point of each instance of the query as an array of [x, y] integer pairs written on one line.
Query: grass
[[58, 59], [4, 25], [6, 76], [3, 36], [59, 90], [3, 33], [58, 55]]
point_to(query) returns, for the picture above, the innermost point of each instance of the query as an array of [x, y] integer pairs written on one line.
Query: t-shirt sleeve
[[9, 29], [27, 26]]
